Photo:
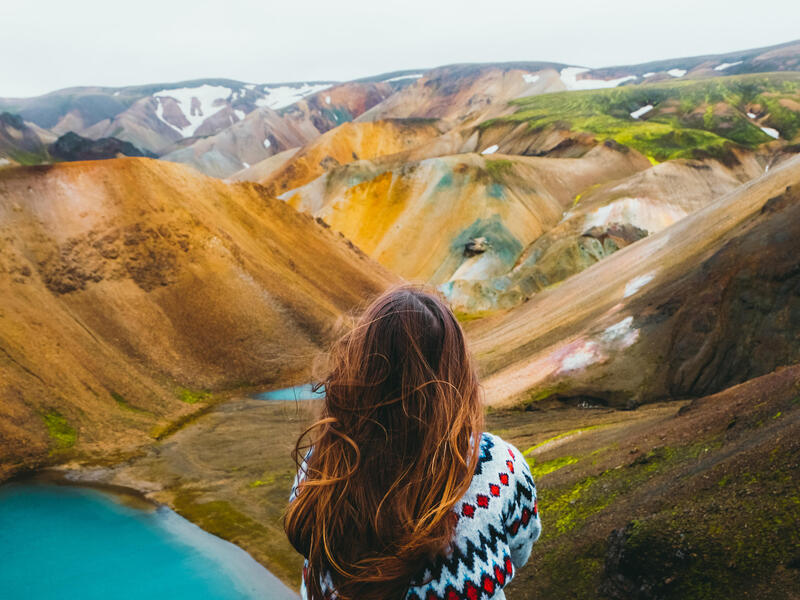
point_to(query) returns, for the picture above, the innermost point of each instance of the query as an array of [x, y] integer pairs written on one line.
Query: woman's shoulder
[[496, 454], [494, 445]]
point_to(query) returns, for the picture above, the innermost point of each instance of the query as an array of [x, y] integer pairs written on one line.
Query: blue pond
[[69, 542], [298, 392]]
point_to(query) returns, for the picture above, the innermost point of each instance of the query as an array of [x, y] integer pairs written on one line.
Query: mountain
[[458, 93], [677, 314], [266, 132], [22, 142], [346, 144], [602, 219], [452, 217], [156, 115], [680, 119], [169, 119], [712, 136], [71, 146], [132, 288]]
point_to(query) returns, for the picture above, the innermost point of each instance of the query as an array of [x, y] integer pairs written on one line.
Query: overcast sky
[[46, 45]]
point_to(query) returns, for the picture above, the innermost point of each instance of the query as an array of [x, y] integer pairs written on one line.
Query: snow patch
[[211, 99], [267, 143], [240, 113], [530, 78], [160, 116], [620, 334], [246, 165], [583, 356], [771, 132], [250, 86], [282, 96], [116, 93], [637, 283], [569, 76], [327, 99], [4, 161], [650, 74], [641, 111], [751, 115], [641, 212], [677, 72], [724, 66], [491, 149], [584, 352], [402, 77]]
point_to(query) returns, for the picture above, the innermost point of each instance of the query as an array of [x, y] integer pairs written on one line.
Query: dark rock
[[476, 246], [71, 146], [641, 565], [618, 234], [11, 120]]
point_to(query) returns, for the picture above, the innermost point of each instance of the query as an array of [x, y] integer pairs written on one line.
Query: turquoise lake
[[298, 392], [69, 542]]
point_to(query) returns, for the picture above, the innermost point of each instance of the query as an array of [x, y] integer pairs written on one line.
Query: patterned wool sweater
[[498, 522]]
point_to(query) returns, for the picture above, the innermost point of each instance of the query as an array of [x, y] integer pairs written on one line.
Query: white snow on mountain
[[211, 99], [267, 143], [569, 76], [401, 77], [281, 96], [677, 72], [530, 78], [650, 74], [641, 111], [771, 132], [724, 66], [490, 150]]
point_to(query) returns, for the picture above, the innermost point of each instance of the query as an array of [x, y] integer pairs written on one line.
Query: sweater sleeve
[[521, 518]]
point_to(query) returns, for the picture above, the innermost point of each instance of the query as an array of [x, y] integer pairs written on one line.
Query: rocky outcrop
[[71, 146]]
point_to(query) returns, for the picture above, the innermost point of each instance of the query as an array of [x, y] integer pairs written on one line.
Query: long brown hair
[[394, 450]]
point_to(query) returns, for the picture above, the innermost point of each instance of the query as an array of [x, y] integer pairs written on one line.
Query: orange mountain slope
[[417, 218], [347, 143], [128, 285]]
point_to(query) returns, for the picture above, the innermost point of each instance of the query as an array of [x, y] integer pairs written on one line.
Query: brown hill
[[678, 314], [457, 93], [129, 285]]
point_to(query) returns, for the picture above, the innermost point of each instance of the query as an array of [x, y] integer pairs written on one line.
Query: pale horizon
[[179, 41]]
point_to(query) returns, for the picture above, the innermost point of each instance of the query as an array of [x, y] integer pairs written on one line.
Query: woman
[[394, 498]]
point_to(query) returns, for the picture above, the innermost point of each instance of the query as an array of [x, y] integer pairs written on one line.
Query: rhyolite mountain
[[131, 287], [617, 238], [168, 117]]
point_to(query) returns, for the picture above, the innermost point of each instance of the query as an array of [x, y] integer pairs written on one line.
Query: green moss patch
[[60, 431], [194, 396], [541, 469], [690, 119]]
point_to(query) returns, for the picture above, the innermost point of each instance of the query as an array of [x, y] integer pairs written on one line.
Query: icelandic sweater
[[498, 522]]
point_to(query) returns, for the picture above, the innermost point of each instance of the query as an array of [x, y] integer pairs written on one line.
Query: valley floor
[[688, 499]]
